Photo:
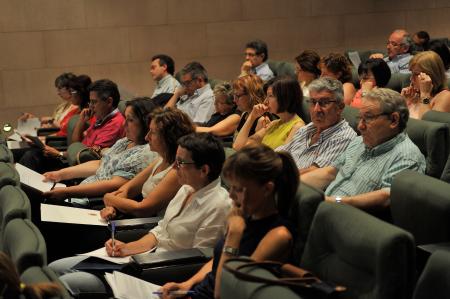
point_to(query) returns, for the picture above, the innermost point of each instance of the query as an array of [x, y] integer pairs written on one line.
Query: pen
[[53, 187], [176, 293], [113, 230]]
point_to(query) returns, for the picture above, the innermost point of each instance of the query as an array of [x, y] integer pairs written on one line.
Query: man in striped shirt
[[320, 142], [363, 174]]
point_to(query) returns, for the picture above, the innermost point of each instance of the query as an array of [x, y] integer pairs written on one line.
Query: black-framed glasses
[[179, 163], [323, 102], [366, 119], [187, 82]]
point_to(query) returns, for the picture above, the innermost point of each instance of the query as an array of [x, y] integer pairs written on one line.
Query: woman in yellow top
[[284, 98]]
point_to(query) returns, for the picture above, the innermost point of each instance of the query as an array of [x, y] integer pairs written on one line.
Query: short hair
[[172, 124], [261, 164], [226, 90], [425, 37], [63, 80], [328, 84], [196, 70], [253, 86], [289, 95], [406, 40], [167, 61], [260, 47], [442, 50], [142, 107], [338, 63], [105, 89], [309, 60], [431, 64], [379, 68], [205, 149], [79, 85], [390, 101]]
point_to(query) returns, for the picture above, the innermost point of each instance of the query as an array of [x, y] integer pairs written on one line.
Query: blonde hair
[[431, 64], [253, 86]]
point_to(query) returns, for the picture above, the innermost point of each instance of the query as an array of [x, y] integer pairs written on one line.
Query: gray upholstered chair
[[420, 204], [5, 154], [399, 81], [305, 115], [282, 68], [350, 114], [24, 243], [43, 274], [435, 278], [8, 175], [372, 258], [14, 203]]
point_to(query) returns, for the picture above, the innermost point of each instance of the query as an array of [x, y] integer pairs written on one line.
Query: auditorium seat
[[5, 154], [372, 258], [434, 280], [36, 274], [8, 175], [282, 68]]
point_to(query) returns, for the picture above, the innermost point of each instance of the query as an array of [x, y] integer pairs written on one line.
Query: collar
[[327, 132], [399, 57], [163, 80], [197, 93], [385, 146], [259, 67], [201, 195], [100, 122]]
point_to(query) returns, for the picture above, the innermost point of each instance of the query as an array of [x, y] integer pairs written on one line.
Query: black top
[[254, 232]]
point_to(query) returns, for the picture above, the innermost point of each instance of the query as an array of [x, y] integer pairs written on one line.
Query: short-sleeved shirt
[[331, 143], [399, 64], [106, 132], [362, 169], [199, 106], [168, 84], [263, 71]]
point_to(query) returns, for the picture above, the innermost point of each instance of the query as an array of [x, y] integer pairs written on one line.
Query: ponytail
[[286, 184]]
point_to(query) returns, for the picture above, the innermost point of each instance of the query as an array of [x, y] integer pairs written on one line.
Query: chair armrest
[[135, 223], [46, 131]]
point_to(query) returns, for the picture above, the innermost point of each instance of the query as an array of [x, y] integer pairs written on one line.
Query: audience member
[[127, 157], [337, 66], [284, 99], [373, 72], [162, 70], [398, 50], [442, 50], [225, 120], [428, 90], [262, 185], [320, 142], [363, 174], [307, 69], [421, 41], [256, 55], [195, 97], [157, 183]]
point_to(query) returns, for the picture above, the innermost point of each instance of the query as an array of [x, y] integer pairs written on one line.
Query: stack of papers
[[28, 126], [62, 214], [34, 180], [128, 287]]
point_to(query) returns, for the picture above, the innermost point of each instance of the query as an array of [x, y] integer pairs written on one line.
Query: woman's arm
[[155, 201], [144, 244], [78, 171], [349, 92], [223, 128]]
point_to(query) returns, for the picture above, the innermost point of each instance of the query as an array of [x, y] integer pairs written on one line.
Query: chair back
[[8, 175], [282, 68], [434, 280], [43, 274], [5, 154]]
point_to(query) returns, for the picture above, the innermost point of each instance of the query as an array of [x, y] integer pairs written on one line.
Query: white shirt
[[199, 106], [263, 71], [200, 224]]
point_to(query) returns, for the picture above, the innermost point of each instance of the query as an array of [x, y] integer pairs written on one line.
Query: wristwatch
[[426, 101], [338, 199], [230, 251]]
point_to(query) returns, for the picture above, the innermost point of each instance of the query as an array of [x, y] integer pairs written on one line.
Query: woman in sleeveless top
[[157, 183]]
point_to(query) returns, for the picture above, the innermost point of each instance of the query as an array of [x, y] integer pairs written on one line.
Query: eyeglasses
[[250, 54], [366, 119], [187, 82], [238, 96], [323, 102], [93, 102], [394, 44], [179, 163]]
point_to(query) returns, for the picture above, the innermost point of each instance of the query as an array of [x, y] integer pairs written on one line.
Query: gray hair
[[406, 40], [328, 84], [390, 101], [196, 70], [226, 90]]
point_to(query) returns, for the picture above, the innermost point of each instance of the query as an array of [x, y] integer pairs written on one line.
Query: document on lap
[[128, 287], [34, 180], [28, 126], [102, 254], [62, 214]]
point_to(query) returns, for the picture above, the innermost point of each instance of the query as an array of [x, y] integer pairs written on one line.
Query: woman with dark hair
[[158, 182], [338, 67], [127, 157], [284, 99], [374, 72], [307, 69], [13, 288], [262, 184]]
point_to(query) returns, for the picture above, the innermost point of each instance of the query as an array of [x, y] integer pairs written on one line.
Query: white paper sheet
[[12, 144], [62, 214], [101, 253], [128, 287], [354, 58], [29, 126], [15, 136], [33, 179]]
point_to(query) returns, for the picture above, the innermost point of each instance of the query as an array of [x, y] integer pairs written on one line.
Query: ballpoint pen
[[53, 187], [113, 231]]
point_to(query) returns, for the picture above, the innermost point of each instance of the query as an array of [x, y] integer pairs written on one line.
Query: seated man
[[195, 97], [162, 69], [398, 48], [320, 142], [256, 55], [363, 174]]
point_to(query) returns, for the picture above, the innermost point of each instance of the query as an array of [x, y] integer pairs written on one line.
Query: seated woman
[[127, 157], [195, 217], [337, 66], [284, 99], [374, 72], [158, 183], [307, 69], [428, 90], [225, 120], [262, 185]]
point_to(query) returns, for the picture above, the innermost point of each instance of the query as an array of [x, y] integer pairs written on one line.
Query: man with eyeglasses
[[256, 55], [363, 174], [195, 96], [398, 48], [321, 141]]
